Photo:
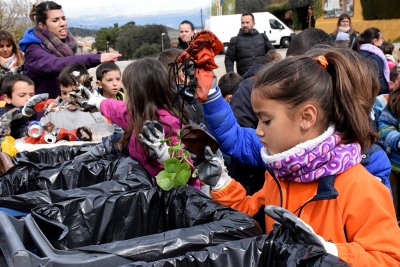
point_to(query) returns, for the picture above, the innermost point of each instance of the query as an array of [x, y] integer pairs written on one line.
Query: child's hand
[[91, 99], [29, 109], [153, 134], [299, 227], [212, 170]]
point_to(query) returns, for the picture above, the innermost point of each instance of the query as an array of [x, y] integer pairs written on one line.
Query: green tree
[[243, 6], [147, 50], [105, 35], [131, 37]]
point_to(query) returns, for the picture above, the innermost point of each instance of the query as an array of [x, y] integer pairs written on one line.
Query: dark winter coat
[[247, 49], [18, 127], [384, 86], [182, 45]]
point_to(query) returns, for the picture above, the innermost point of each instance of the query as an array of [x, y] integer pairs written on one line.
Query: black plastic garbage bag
[[279, 248], [55, 169], [144, 225], [27, 201]]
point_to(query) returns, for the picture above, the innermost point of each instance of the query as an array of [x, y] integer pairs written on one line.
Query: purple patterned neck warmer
[[54, 44], [314, 159]]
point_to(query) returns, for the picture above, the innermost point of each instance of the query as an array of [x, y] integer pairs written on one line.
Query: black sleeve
[[230, 56], [384, 86], [241, 105], [268, 44]]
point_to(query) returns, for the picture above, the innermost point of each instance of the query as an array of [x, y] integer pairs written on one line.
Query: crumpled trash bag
[[277, 249], [143, 225], [45, 169], [202, 50], [281, 247]]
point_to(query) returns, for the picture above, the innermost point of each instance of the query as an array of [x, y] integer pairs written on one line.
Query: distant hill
[[75, 31], [170, 19]]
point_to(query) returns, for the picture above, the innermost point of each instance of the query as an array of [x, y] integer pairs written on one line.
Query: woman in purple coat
[[49, 47]]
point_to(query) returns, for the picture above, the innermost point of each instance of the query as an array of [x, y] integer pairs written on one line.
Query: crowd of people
[[316, 133]]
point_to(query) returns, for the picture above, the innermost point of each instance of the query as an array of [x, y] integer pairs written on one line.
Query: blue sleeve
[[240, 143], [387, 127], [378, 164]]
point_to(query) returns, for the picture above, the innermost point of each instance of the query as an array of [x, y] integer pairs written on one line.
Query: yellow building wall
[[390, 28]]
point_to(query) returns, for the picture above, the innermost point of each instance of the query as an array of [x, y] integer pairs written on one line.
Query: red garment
[[202, 50]]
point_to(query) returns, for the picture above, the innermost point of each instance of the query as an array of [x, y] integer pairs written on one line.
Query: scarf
[[377, 51], [314, 159], [343, 29], [54, 44], [9, 64]]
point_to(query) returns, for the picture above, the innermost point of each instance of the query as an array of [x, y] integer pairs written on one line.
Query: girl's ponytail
[[353, 96]]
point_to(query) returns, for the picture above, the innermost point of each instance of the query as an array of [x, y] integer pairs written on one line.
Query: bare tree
[[14, 16]]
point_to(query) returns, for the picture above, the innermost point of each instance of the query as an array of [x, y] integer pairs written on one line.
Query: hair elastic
[[322, 60]]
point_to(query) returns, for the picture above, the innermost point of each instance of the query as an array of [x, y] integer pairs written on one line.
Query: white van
[[227, 26]]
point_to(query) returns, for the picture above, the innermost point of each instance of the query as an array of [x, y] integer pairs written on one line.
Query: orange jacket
[[354, 210]]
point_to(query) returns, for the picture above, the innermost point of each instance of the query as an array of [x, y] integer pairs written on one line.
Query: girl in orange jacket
[[314, 124]]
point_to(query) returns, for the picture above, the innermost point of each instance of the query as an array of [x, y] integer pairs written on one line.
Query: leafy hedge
[[380, 9]]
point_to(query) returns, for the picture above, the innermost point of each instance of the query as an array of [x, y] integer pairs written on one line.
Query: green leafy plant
[[177, 169]]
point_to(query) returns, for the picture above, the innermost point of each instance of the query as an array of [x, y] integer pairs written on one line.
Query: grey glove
[[93, 152], [153, 134], [7, 118], [212, 170], [28, 110], [300, 228]]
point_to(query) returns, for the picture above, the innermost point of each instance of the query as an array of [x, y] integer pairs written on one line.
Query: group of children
[[313, 126]]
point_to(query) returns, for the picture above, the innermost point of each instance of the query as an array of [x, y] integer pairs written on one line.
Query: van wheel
[[285, 42]]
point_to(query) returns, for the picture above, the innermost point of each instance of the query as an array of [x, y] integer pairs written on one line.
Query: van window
[[275, 25]]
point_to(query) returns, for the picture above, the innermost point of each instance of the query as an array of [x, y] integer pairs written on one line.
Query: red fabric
[[202, 50], [62, 135]]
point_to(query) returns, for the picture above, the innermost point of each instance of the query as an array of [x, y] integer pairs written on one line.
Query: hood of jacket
[[28, 39]]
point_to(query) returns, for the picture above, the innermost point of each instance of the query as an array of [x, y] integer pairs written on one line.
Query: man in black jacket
[[247, 48]]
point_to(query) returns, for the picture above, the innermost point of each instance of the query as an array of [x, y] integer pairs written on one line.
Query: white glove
[[299, 227], [153, 134], [212, 170], [93, 99], [28, 110]]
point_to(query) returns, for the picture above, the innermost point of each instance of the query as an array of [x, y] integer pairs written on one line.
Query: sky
[[98, 8]]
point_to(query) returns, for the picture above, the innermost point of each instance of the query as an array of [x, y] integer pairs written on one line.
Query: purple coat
[[116, 111], [43, 67]]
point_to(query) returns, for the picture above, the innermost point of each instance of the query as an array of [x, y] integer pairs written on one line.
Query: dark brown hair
[[65, 76], [5, 36], [147, 90], [38, 12], [366, 37], [387, 48], [167, 57], [7, 82], [339, 91], [272, 56], [228, 83]]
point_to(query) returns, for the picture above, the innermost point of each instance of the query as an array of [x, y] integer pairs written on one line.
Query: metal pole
[[162, 41]]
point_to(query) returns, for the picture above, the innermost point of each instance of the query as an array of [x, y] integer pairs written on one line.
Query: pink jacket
[[116, 111]]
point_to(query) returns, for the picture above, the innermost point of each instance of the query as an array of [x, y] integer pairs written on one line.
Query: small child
[[228, 83], [272, 56], [72, 117], [382, 100], [387, 49], [312, 141], [149, 96], [109, 83], [17, 89]]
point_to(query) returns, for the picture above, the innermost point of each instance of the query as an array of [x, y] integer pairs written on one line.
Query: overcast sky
[[79, 8]]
